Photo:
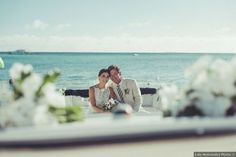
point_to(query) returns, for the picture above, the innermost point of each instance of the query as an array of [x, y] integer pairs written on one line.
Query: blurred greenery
[[67, 114]]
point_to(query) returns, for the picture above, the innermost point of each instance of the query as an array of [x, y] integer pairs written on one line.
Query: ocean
[[80, 70]]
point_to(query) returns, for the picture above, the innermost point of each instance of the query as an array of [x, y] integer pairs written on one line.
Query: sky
[[118, 25]]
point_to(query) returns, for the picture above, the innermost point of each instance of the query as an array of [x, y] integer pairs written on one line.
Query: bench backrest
[[84, 92]]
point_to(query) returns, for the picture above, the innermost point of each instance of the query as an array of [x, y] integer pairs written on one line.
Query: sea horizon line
[[113, 52]]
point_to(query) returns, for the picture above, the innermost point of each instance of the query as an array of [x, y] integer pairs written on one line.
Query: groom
[[126, 90]]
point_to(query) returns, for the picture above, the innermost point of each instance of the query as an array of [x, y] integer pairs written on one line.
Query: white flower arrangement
[[211, 90], [110, 105], [34, 100]]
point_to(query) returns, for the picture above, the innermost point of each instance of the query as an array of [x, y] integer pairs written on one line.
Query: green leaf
[[50, 77]]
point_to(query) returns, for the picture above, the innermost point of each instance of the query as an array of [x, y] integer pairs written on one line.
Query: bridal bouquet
[[210, 91], [110, 105], [34, 100]]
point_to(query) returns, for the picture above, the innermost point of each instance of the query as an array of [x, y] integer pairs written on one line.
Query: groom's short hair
[[111, 67]]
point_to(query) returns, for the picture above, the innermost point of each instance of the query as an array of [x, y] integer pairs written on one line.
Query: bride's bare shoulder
[[92, 87]]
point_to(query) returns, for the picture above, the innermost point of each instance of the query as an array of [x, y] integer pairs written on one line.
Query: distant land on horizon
[[23, 51]]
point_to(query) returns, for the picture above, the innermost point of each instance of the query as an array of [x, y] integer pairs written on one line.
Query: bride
[[100, 93]]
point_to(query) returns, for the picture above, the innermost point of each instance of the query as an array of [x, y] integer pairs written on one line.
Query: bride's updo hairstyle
[[103, 71]]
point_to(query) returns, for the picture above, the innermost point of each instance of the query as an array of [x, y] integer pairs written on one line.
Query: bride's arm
[[93, 101]]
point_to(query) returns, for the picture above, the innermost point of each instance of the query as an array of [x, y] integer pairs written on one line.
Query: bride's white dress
[[101, 96]]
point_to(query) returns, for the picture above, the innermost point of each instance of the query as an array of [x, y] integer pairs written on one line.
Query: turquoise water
[[79, 70]]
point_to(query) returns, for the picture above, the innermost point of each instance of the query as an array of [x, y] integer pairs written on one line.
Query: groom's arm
[[137, 96]]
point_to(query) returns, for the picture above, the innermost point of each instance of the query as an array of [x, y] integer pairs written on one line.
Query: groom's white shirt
[[131, 93]]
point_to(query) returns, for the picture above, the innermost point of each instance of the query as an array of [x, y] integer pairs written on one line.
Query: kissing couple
[[120, 92]]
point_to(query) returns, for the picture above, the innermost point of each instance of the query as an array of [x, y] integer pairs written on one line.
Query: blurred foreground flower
[[2, 65], [211, 90], [34, 100]]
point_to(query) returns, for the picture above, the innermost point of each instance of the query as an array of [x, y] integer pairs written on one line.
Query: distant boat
[[135, 54], [19, 51]]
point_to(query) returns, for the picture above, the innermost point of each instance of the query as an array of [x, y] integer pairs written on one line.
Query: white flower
[[19, 113], [5, 94], [17, 70], [210, 88], [27, 68], [111, 101], [212, 106], [212, 75], [42, 116], [199, 66], [24, 112], [31, 84], [233, 62], [52, 97], [200, 81], [109, 105], [170, 96], [28, 108], [223, 74]]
